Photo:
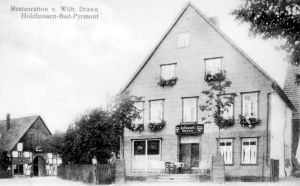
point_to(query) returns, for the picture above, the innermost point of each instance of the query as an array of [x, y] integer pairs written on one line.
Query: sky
[[61, 69]]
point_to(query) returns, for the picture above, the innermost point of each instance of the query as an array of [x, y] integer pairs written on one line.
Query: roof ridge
[[21, 117]]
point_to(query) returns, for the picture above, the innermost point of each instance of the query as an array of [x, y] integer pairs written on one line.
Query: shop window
[[156, 111], [168, 71], [139, 147], [146, 155], [189, 109], [225, 146], [183, 39], [249, 150], [213, 66], [140, 107], [153, 147], [250, 105]]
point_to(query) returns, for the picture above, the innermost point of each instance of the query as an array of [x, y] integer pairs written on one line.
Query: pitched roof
[[291, 89], [18, 127], [222, 34]]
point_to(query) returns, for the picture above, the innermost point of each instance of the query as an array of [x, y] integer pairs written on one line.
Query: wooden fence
[[97, 174]]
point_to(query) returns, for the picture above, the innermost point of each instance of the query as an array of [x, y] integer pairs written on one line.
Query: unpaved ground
[[53, 181]]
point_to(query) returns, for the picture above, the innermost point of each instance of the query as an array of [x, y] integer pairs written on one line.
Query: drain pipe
[[268, 121]]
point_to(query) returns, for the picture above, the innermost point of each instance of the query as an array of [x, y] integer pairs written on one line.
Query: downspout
[[267, 131]]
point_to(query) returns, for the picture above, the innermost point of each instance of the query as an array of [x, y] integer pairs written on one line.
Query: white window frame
[[249, 150], [226, 151], [183, 39], [146, 153], [256, 105], [213, 62], [151, 111], [141, 120], [164, 67], [184, 109]]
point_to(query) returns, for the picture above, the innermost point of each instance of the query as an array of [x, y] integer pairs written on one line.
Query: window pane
[[153, 147], [139, 106], [250, 103], [156, 111], [213, 66], [189, 109], [228, 111], [226, 150], [249, 150], [168, 72], [183, 39], [139, 147]]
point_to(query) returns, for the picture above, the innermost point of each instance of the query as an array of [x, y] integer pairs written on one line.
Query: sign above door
[[189, 129]]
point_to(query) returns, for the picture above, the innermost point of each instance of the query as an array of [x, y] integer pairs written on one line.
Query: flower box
[[156, 127], [250, 122], [169, 82]]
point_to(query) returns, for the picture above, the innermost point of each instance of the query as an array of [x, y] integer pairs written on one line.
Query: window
[[146, 155], [168, 71], [249, 150], [250, 104], [139, 147], [139, 106], [228, 112], [153, 147], [183, 39], [156, 111], [225, 146], [189, 109], [213, 66], [20, 147]]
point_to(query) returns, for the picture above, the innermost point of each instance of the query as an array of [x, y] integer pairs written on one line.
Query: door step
[[175, 178]]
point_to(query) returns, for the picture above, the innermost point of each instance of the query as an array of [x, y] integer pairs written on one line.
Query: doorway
[[189, 154], [39, 167]]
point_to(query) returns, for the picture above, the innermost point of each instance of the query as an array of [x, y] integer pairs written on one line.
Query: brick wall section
[[205, 43]]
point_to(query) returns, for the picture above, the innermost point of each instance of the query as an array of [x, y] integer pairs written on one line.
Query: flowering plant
[[169, 82], [220, 76], [250, 122], [155, 127], [136, 127]]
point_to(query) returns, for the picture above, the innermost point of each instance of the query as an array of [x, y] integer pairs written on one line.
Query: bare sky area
[[60, 69]]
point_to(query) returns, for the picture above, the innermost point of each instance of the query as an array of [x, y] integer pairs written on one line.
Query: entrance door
[[39, 167], [189, 154]]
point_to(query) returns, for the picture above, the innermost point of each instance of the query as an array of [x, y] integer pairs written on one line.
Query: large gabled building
[[171, 80], [21, 143]]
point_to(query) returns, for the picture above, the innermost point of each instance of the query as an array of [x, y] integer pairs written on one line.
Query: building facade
[[292, 90], [21, 143], [171, 80]]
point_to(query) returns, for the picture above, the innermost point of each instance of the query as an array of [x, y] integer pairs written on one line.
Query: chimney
[[8, 121], [214, 20]]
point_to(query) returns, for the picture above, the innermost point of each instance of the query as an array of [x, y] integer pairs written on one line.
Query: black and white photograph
[[149, 92]]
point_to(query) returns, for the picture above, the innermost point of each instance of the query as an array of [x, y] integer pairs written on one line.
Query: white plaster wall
[[288, 140], [280, 130]]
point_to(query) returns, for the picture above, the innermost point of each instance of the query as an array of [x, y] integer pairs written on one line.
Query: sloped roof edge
[[143, 64], [231, 42], [283, 96], [222, 34]]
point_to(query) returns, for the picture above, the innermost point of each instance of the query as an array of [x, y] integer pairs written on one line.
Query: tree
[[53, 143], [274, 19], [93, 135], [123, 115], [217, 101]]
